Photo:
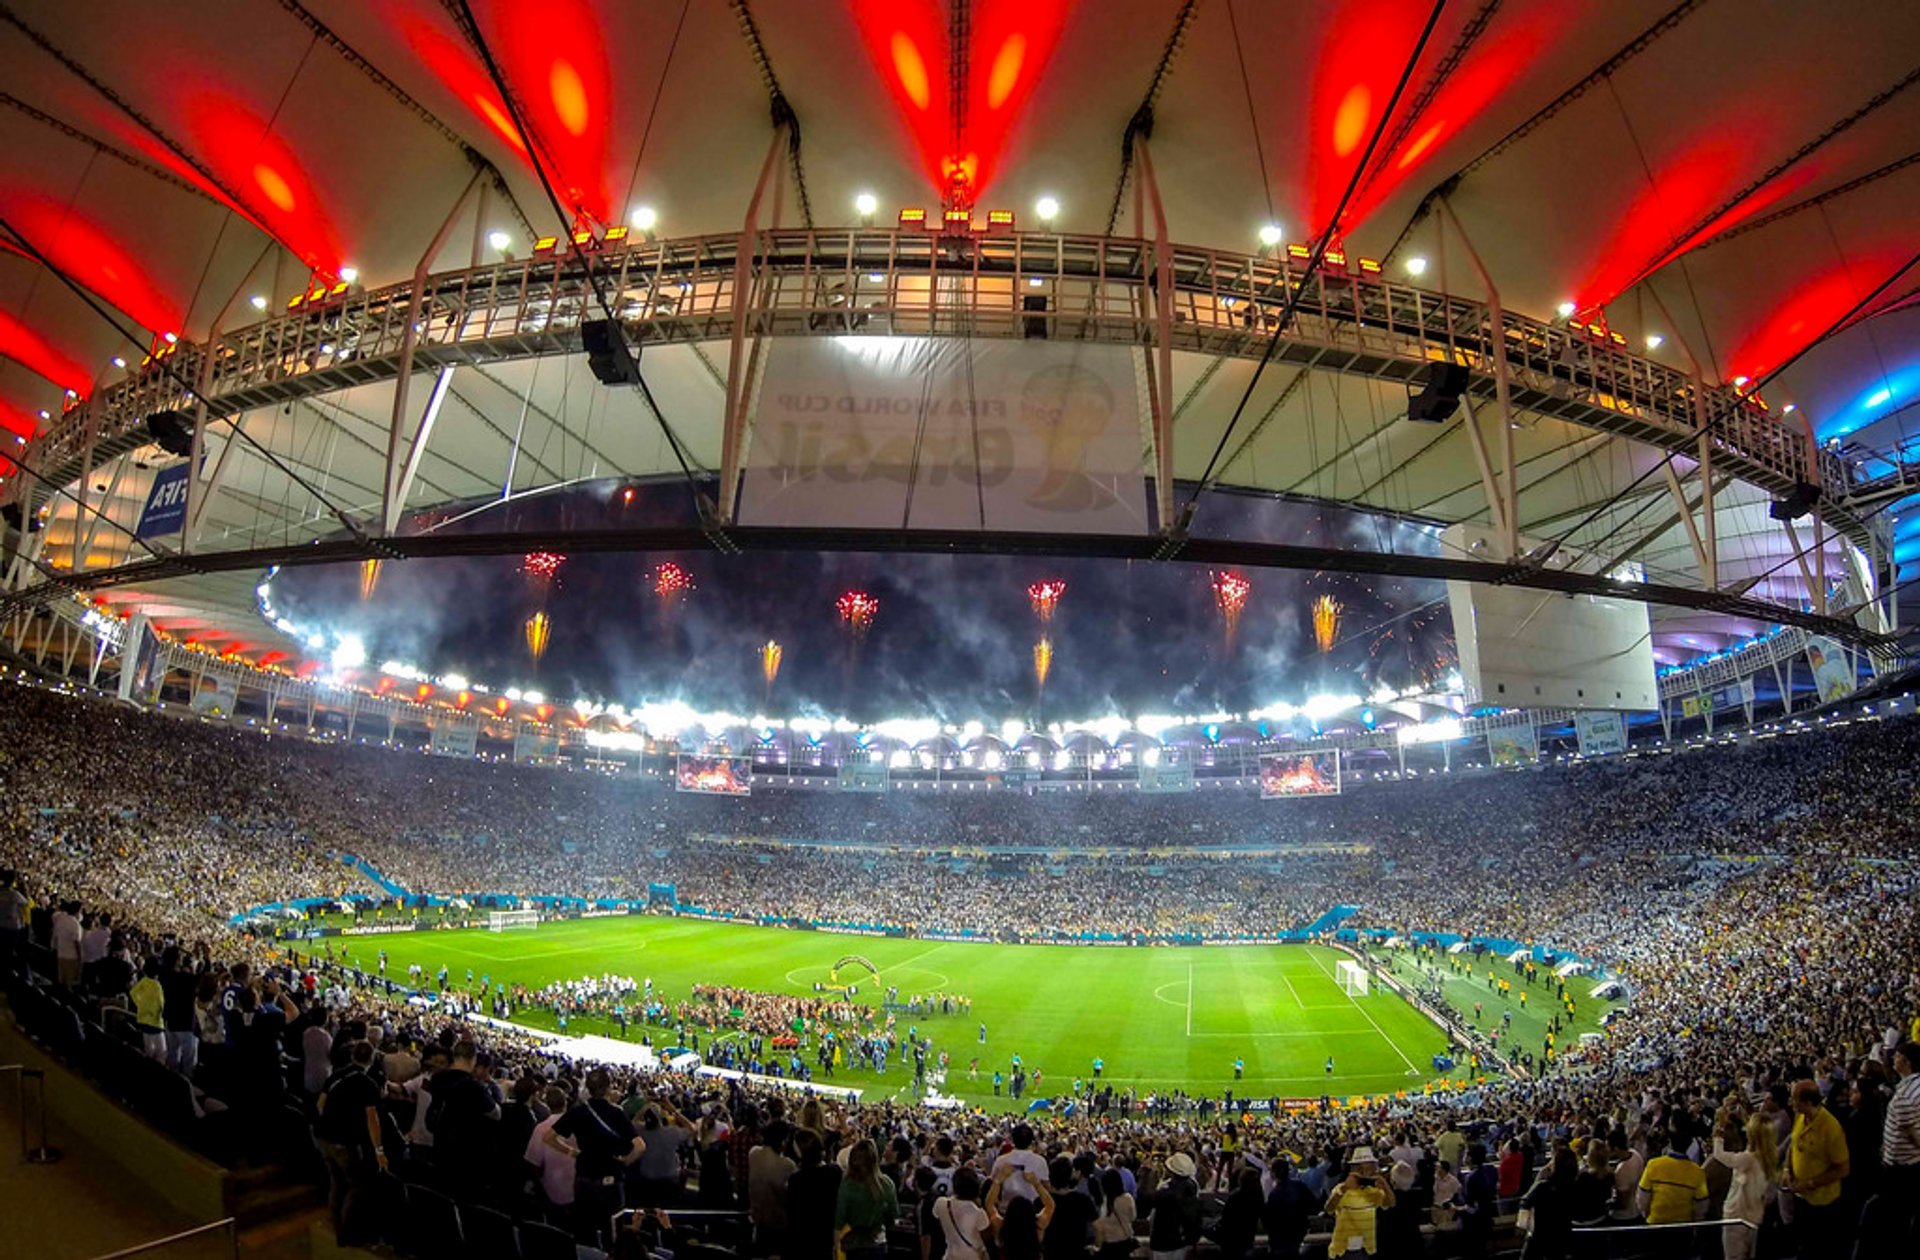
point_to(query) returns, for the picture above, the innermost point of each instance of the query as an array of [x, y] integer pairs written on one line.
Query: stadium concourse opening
[[965, 630]]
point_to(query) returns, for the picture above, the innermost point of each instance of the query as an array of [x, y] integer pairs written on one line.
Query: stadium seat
[[544, 1242], [430, 1225], [490, 1235]]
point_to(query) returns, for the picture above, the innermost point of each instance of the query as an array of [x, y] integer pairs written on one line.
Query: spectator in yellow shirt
[[1816, 1165], [1673, 1189], [1355, 1205]]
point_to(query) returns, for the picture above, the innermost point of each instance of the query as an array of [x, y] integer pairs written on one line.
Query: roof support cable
[[701, 499], [1298, 291]]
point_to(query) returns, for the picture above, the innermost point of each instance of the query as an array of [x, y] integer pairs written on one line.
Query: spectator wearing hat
[[1176, 1211], [1355, 1205]]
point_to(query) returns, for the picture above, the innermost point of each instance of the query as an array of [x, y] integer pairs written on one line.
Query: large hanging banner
[[946, 433], [1737, 695], [1832, 669], [1600, 732], [166, 507], [215, 696], [1166, 777], [1515, 745], [453, 739], [535, 747], [141, 670], [863, 776]]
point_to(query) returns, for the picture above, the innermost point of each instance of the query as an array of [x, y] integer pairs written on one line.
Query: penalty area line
[[1411, 1069]]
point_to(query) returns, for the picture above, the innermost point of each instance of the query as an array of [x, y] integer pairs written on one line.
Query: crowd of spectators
[[1761, 900]]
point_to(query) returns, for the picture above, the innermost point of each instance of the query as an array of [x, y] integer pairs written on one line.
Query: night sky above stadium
[[954, 637]]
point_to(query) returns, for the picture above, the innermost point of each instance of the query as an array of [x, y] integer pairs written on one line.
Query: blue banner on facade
[[166, 510]]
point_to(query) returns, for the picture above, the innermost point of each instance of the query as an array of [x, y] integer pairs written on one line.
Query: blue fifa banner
[[1600, 732], [166, 509], [863, 776], [1177, 777], [1735, 696]]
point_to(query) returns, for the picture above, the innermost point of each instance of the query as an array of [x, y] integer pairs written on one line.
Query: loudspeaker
[[1797, 504], [1439, 397], [607, 353], [1034, 324], [171, 431]]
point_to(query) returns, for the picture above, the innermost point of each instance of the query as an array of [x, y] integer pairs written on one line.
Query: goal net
[[1351, 977], [501, 920]]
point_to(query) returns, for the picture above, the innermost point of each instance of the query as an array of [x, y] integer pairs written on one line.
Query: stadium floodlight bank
[[1351, 977], [502, 920]]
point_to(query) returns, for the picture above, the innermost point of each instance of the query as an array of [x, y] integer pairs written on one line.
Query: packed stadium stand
[[959, 629], [1754, 897]]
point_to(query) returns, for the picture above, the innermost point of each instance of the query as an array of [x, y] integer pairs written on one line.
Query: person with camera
[[1355, 1205]]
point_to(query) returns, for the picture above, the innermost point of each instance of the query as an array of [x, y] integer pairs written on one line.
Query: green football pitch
[[1161, 1018]]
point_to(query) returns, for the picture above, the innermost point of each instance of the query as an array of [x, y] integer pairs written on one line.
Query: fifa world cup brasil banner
[[946, 433], [1301, 774], [1601, 732]]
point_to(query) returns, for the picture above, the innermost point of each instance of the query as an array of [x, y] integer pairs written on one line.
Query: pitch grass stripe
[[1189, 999], [1370, 1019]]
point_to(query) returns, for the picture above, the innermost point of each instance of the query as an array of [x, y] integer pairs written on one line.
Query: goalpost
[[501, 920], [1351, 977]]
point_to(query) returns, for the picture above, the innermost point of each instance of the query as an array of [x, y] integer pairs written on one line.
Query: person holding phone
[[1355, 1205]]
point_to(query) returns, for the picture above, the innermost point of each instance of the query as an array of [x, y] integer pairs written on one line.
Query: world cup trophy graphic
[[1072, 408]]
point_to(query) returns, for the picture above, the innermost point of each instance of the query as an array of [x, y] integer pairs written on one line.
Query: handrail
[[43, 1153], [908, 283], [228, 1223], [1634, 1226]]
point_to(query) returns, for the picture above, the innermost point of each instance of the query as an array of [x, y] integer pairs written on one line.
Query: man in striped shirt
[[1898, 1203]]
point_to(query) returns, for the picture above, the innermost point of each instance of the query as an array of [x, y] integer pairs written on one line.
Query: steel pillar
[[106, 506], [395, 504], [409, 342], [733, 434], [197, 487], [1160, 363], [1497, 327], [1685, 511]]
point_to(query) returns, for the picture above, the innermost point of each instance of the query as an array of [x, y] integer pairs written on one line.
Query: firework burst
[[1326, 622], [1042, 661], [1230, 593], [857, 610], [542, 566], [369, 578], [770, 654], [671, 582], [1045, 597], [1416, 650], [539, 629]]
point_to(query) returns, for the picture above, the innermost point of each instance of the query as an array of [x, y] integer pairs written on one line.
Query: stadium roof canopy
[[1701, 222]]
